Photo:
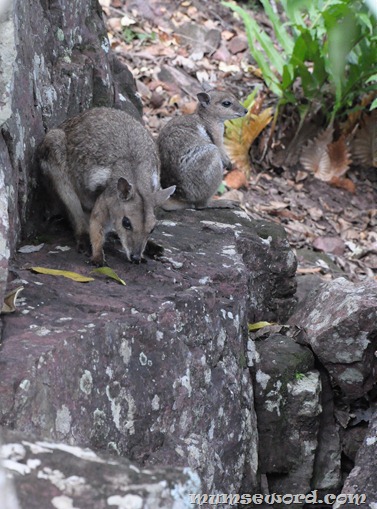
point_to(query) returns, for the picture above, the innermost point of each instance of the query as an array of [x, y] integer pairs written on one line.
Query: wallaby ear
[[124, 189], [204, 99], [162, 195]]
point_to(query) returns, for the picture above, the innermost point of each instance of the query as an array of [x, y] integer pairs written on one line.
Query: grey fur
[[104, 166], [192, 151]]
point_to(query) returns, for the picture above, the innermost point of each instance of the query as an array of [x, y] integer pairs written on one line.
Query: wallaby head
[[219, 105], [133, 215]]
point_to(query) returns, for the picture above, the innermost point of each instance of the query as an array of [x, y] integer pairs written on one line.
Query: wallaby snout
[[128, 212]]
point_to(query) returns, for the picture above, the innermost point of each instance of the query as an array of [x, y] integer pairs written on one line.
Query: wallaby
[[104, 166], [192, 151]]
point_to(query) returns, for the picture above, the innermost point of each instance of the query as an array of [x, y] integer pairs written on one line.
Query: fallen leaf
[[109, 272], [79, 278], [30, 249], [258, 325], [9, 305], [333, 245], [343, 183], [235, 179], [127, 21], [309, 270], [233, 195]]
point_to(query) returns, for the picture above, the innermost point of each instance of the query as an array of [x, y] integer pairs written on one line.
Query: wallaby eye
[[126, 223], [226, 104]]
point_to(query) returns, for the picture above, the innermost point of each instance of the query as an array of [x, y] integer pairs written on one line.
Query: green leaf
[[254, 33], [282, 36], [79, 278], [373, 105], [109, 272]]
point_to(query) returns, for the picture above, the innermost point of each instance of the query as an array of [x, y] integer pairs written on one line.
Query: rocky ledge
[[154, 371]]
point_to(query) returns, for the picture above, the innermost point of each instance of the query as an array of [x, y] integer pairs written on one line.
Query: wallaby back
[[104, 163], [192, 151]]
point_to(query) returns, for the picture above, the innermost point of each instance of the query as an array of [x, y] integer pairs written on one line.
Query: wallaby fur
[[192, 151], [104, 166]]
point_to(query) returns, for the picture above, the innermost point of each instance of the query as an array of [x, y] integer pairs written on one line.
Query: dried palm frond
[[242, 132], [364, 144], [325, 158]]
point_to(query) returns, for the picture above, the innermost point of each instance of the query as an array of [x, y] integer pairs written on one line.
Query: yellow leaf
[[258, 325], [107, 271], [10, 299], [242, 132], [79, 278]]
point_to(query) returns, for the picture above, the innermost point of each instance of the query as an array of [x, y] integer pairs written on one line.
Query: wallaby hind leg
[[53, 160]]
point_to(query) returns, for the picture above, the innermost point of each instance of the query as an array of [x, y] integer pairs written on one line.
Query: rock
[[238, 44], [352, 439], [287, 403], [201, 39], [327, 466], [178, 79], [222, 53], [154, 371], [306, 284], [361, 482], [55, 62], [340, 319], [50, 474], [334, 245]]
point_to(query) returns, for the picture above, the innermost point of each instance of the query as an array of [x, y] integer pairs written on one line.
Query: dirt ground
[[173, 46]]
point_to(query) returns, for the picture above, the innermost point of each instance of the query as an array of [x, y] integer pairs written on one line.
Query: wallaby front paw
[[83, 244], [98, 261]]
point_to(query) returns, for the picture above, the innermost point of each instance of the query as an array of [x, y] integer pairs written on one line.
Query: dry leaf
[[79, 278], [235, 179], [343, 183], [242, 132], [30, 248], [9, 305], [324, 158], [308, 270], [364, 144]]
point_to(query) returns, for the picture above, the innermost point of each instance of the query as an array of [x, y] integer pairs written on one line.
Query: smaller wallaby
[[104, 166], [192, 151]]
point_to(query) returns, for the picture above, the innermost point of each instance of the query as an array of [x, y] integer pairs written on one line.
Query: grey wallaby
[[192, 151], [104, 166]]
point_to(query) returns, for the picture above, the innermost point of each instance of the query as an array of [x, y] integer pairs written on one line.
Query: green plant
[[299, 376], [328, 47], [129, 34]]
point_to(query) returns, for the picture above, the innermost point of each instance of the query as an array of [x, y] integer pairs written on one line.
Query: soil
[[171, 47]]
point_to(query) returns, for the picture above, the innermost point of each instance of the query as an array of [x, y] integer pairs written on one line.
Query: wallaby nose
[[245, 111], [135, 258]]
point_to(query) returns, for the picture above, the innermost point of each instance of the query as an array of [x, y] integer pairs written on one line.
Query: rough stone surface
[[155, 370], [287, 403], [340, 319], [55, 62], [362, 479], [49, 474], [327, 466]]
